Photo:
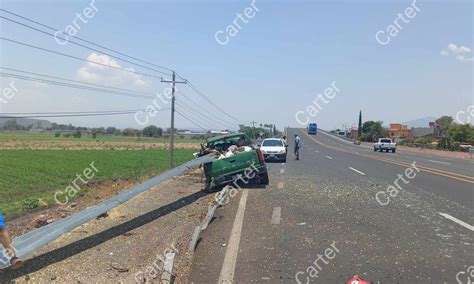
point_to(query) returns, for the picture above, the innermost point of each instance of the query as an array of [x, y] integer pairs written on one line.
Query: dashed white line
[[462, 223], [282, 171], [230, 259], [439, 162], [316, 151], [276, 216], [329, 157], [357, 171]]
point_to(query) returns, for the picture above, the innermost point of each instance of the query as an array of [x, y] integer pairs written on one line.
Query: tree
[[110, 130], [373, 130], [461, 133], [443, 124], [77, 134], [359, 128], [129, 132], [94, 133], [152, 131]]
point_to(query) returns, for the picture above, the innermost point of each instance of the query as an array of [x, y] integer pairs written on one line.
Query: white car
[[274, 149], [385, 144]]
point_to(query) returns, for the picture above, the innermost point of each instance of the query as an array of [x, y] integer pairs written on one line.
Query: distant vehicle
[[312, 128], [229, 165], [274, 149], [385, 144], [341, 133]]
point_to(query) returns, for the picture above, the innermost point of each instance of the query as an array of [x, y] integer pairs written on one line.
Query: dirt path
[[129, 243], [77, 145]]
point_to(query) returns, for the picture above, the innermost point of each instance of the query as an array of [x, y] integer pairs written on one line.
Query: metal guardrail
[[32, 241]]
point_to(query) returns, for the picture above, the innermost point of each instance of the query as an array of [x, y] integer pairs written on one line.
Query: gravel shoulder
[[129, 243]]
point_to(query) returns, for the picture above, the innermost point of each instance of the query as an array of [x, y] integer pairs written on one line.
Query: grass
[[27, 175], [22, 136]]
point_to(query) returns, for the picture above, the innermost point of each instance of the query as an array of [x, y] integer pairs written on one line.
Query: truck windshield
[[272, 143], [386, 141]]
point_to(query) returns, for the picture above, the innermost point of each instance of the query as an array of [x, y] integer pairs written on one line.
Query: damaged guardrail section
[[30, 242]]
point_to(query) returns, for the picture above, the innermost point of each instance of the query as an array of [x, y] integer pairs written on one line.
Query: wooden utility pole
[[173, 99]]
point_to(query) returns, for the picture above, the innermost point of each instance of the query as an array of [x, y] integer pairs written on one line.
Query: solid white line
[[464, 224], [357, 171], [330, 158], [276, 216], [280, 185], [282, 171], [230, 259], [445, 163]]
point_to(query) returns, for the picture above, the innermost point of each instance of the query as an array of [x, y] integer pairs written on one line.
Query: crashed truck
[[237, 159]]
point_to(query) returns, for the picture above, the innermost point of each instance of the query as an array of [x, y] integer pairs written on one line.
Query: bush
[[423, 140], [30, 203], [57, 134], [66, 135]]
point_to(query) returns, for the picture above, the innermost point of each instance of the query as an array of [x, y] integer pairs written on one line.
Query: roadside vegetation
[[30, 178]]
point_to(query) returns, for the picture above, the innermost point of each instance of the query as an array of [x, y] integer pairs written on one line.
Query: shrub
[[57, 134], [30, 203]]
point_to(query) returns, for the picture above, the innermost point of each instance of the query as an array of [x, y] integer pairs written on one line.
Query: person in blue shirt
[[6, 242]]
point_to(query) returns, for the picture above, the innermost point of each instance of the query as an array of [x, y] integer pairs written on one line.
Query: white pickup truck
[[385, 144]]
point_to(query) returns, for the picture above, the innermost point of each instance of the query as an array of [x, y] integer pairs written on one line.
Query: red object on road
[[357, 280]]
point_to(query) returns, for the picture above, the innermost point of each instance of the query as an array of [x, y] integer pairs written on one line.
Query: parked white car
[[385, 144], [274, 149]]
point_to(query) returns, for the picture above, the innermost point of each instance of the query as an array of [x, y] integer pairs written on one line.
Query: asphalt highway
[[344, 210]]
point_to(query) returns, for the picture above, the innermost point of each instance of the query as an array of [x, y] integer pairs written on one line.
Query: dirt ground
[[125, 246], [75, 145]]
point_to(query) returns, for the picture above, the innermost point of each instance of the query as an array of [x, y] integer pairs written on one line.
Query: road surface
[[328, 217]]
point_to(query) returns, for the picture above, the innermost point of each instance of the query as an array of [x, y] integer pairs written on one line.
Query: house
[[354, 134], [398, 131]]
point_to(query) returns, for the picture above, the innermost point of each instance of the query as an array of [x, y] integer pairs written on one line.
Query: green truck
[[239, 161]]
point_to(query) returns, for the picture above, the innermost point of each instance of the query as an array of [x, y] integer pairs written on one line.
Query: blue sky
[[275, 66]]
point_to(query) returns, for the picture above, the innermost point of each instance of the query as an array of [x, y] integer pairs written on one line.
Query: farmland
[[28, 175]]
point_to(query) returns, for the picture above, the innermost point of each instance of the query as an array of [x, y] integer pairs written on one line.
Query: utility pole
[[253, 125], [173, 98]]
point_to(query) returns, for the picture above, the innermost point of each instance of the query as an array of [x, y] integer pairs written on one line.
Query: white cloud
[[94, 73], [461, 53]]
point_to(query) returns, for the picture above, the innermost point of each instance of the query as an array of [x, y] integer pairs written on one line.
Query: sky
[[272, 68]]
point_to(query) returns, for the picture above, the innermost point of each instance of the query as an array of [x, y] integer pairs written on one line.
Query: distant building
[[398, 131], [214, 133], [354, 133]]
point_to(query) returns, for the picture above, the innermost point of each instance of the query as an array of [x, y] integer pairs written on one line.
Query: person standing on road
[[6, 242], [297, 146]]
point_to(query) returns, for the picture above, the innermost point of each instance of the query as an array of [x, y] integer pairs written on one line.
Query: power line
[[75, 112], [70, 115], [189, 120], [202, 115], [84, 46], [78, 58], [205, 97], [75, 81], [209, 113], [199, 116], [57, 83], [87, 41]]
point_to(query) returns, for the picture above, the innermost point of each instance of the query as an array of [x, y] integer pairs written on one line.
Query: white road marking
[[282, 164], [439, 162], [329, 157], [276, 216], [316, 151], [280, 185], [357, 171], [282, 171], [462, 223], [230, 259], [301, 224]]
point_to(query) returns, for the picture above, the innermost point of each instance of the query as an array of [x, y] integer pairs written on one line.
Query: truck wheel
[[264, 178], [393, 151], [375, 149]]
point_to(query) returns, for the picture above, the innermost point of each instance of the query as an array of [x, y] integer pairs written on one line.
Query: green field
[[31, 174], [22, 136]]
